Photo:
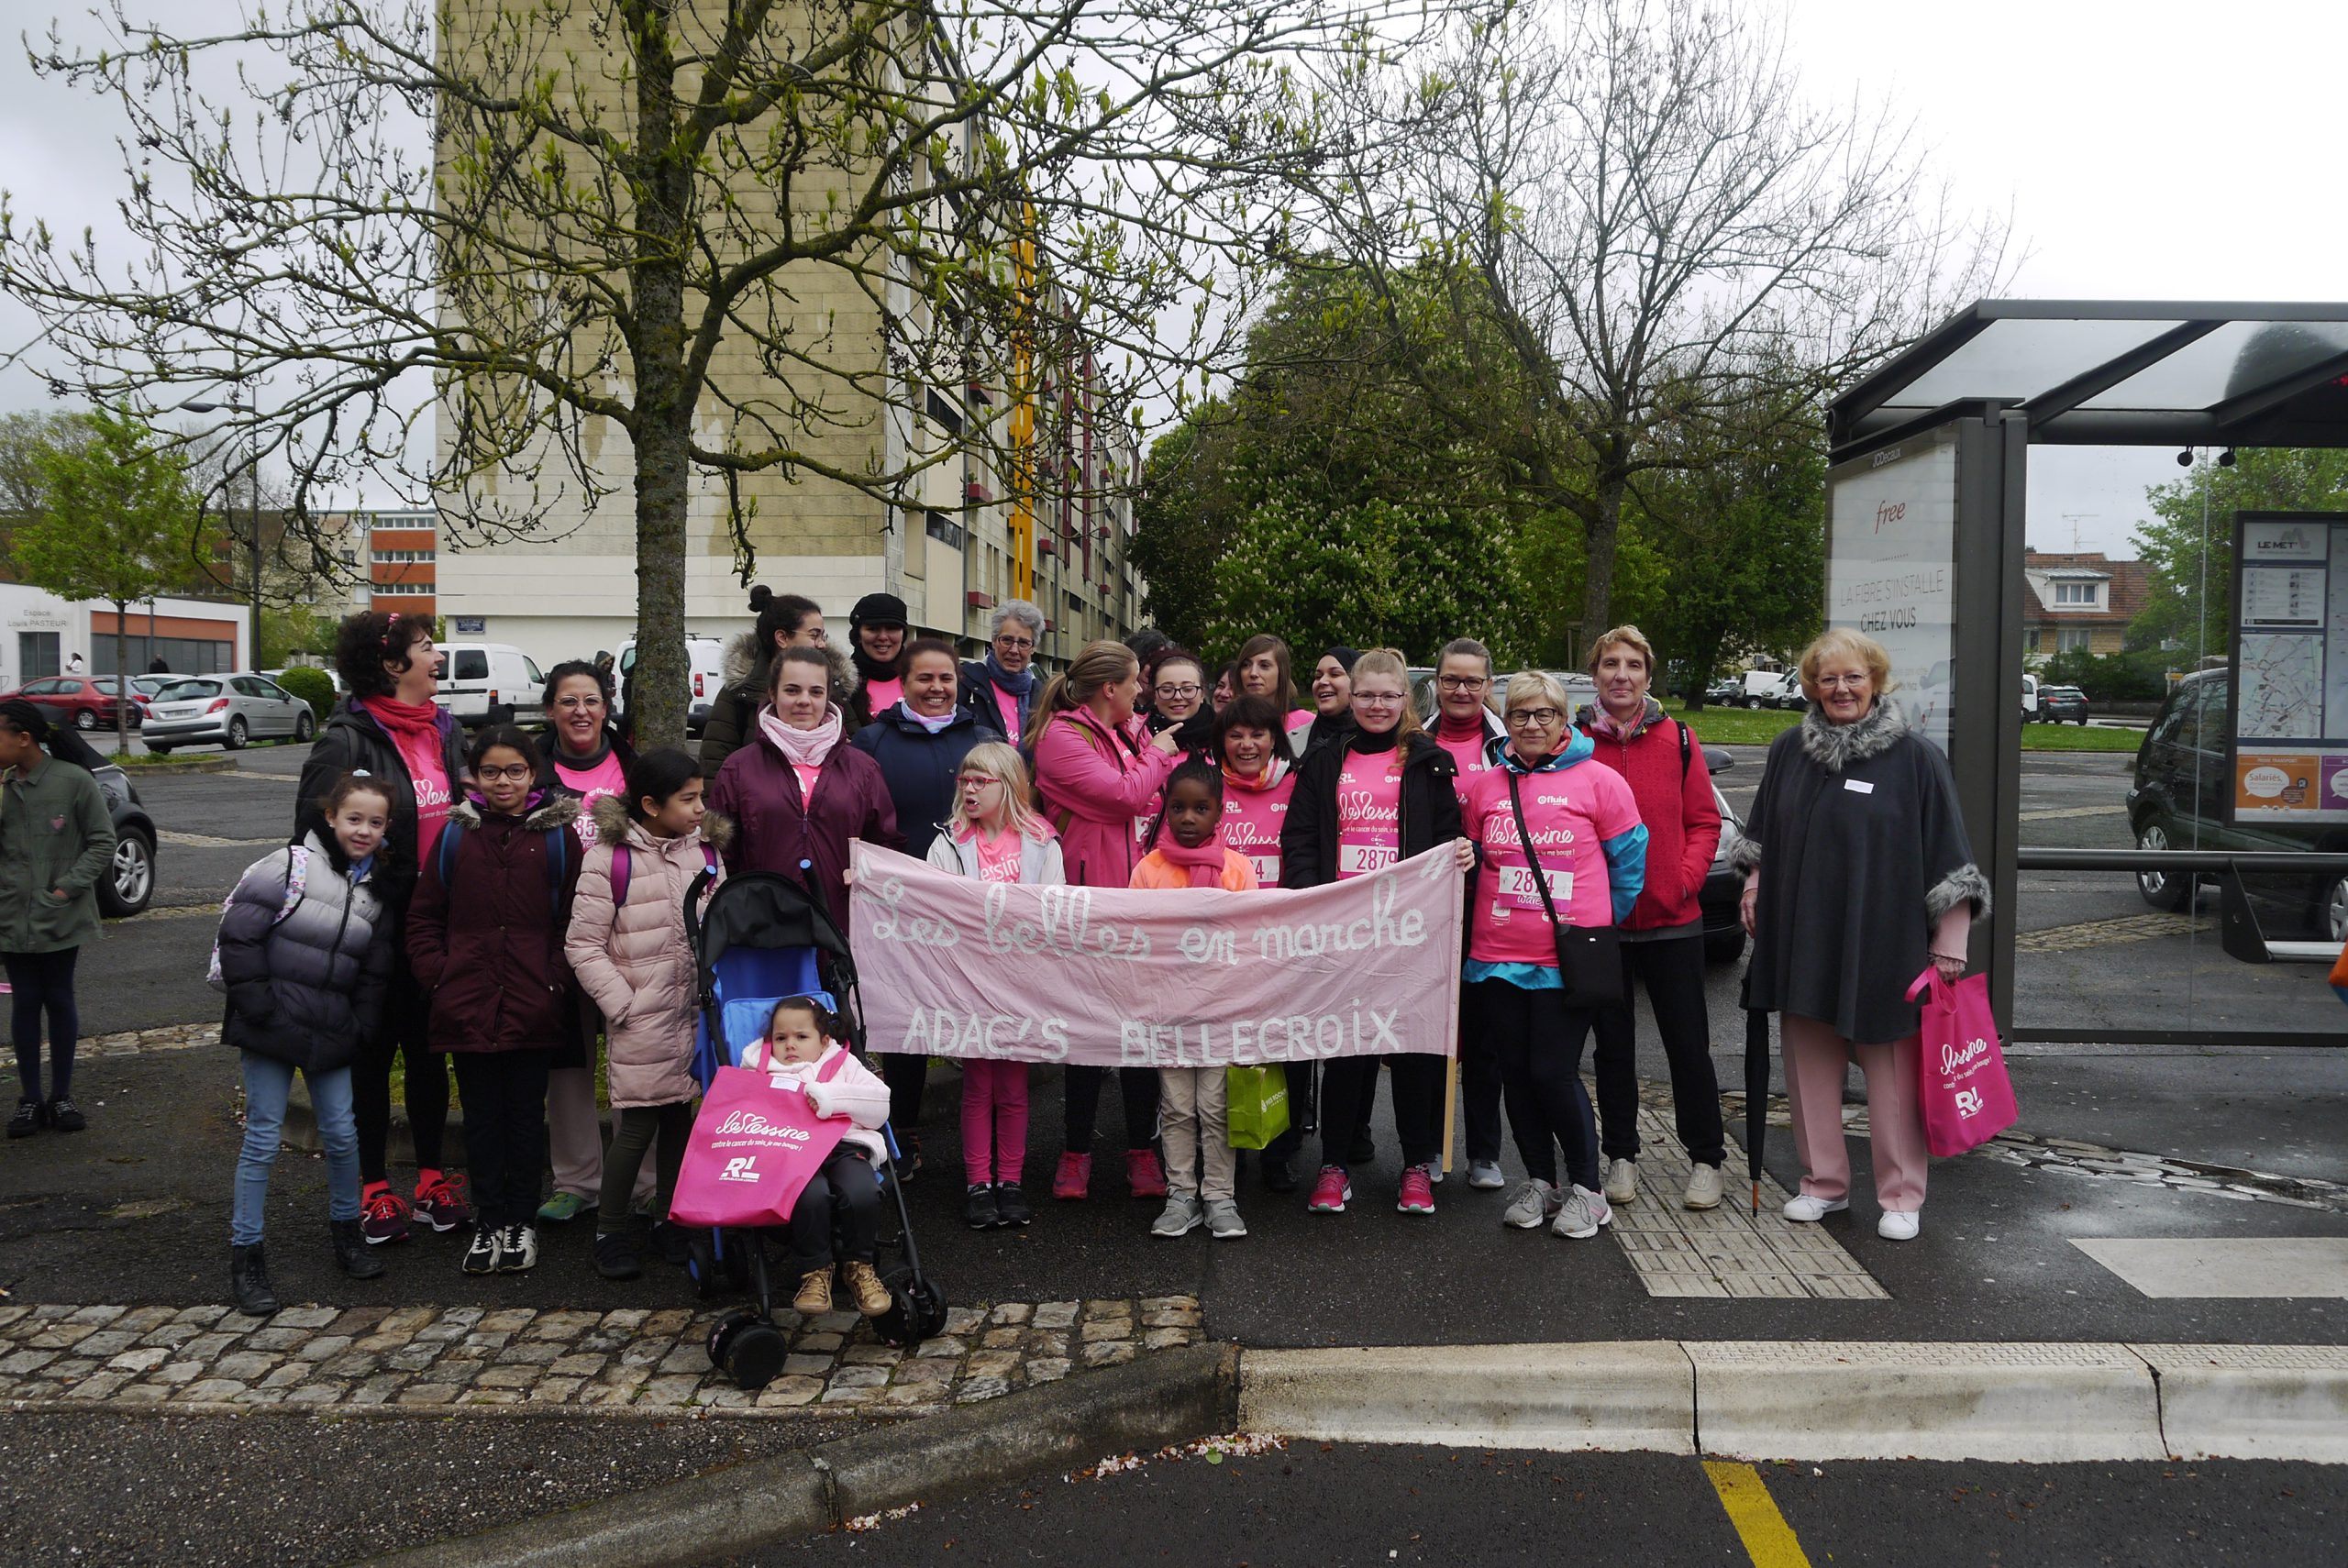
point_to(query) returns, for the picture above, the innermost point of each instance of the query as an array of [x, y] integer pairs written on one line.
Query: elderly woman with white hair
[[1000, 690], [1857, 876]]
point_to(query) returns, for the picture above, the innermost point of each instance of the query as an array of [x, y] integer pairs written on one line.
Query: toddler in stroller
[[836, 1220]]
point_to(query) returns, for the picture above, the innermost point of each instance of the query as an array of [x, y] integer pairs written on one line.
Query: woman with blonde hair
[[1098, 771], [1857, 876]]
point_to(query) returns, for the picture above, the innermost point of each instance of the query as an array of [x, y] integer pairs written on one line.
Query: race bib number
[[1360, 859], [1516, 882], [1267, 870]]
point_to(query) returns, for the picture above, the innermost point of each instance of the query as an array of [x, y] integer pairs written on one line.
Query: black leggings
[[1081, 1088], [505, 1130], [907, 1074], [837, 1217], [406, 1012], [1674, 971], [639, 1125], [1349, 1084], [1538, 1039], [43, 982]]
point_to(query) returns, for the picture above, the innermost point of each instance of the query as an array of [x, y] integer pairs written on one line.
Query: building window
[[2076, 592], [941, 526], [180, 655], [396, 558], [2072, 639], [36, 656]]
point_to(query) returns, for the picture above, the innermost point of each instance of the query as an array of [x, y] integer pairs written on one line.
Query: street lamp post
[[254, 480]]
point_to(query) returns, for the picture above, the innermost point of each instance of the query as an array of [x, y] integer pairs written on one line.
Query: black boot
[[351, 1254], [248, 1281]]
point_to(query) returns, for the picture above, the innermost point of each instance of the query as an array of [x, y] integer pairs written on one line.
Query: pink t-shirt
[[1467, 754], [607, 777], [999, 856], [1369, 812], [1251, 820], [1008, 706], [1571, 814], [808, 773], [429, 771], [883, 695]]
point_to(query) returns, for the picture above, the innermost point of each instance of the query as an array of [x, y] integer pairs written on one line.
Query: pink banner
[[1192, 978]]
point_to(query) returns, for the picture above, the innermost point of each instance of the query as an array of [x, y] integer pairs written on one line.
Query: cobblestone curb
[[146, 1042], [633, 1361]]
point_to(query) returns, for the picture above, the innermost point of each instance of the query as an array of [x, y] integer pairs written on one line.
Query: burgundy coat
[[487, 944], [774, 829]]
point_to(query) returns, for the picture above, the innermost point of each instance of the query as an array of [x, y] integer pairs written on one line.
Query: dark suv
[[2178, 801], [2061, 705]]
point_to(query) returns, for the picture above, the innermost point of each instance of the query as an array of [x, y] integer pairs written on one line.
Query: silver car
[[225, 710]]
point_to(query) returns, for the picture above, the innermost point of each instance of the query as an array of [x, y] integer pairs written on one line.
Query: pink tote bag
[[754, 1148], [1968, 1099]]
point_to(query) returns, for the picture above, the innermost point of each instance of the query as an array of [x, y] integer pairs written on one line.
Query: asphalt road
[[1311, 1504]]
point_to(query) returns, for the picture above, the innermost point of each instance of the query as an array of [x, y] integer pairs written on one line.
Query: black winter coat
[[1309, 838], [974, 690], [487, 943], [920, 768], [308, 989], [353, 742]]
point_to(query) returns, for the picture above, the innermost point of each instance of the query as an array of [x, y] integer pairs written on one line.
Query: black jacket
[[1309, 839], [975, 693], [352, 741], [919, 769], [305, 979]]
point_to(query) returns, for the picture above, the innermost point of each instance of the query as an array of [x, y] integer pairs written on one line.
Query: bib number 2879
[[1356, 859]]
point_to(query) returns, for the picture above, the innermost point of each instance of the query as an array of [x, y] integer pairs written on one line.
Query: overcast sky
[[2147, 148]]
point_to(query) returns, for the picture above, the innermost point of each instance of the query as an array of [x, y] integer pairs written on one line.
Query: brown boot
[[872, 1297], [814, 1292]]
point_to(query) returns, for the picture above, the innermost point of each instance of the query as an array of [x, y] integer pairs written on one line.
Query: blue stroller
[[761, 938]]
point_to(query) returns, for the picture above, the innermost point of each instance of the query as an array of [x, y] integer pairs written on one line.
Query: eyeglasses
[[1840, 683], [976, 781], [1462, 682], [519, 771], [1534, 718], [1003, 642], [1178, 690], [1378, 699]]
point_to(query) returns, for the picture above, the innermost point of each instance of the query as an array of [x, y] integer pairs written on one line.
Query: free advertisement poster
[[1892, 565], [2290, 667]]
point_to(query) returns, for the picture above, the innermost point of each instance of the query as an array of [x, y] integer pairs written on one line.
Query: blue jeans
[[266, 1083]]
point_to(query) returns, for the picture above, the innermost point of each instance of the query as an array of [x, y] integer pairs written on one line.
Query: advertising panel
[[2290, 667], [1891, 565]]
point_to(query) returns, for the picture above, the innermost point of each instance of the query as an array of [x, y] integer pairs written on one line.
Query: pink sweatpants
[[1816, 1059], [994, 1121]]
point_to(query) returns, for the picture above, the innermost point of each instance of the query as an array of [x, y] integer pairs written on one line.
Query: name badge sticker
[[1858, 786]]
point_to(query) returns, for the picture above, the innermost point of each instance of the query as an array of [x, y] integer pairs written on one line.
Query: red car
[[85, 702]]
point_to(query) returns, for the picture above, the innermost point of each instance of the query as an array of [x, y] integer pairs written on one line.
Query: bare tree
[[1642, 226], [637, 245]]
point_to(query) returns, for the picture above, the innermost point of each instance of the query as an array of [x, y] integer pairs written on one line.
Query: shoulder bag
[[1589, 957]]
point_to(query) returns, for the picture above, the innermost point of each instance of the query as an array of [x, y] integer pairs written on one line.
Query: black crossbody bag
[[1589, 957]]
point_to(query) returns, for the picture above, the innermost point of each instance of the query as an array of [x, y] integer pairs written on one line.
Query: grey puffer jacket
[[632, 958], [309, 988]]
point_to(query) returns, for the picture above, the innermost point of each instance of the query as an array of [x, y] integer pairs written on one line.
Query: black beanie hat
[[1343, 655], [882, 608]]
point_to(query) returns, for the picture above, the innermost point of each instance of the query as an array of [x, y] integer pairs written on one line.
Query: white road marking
[[2213, 1268]]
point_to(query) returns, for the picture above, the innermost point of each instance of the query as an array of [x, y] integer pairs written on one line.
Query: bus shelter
[[1926, 533]]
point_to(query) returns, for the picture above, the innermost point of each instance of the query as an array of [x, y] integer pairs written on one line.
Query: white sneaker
[[1484, 1175], [1580, 1215], [1704, 1188], [1622, 1181], [1804, 1209], [1900, 1226], [1530, 1210]]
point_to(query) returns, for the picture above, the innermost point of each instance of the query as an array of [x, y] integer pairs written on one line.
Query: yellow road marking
[[1768, 1539]]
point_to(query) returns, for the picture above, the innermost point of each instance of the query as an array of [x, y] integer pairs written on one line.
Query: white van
[[488, 683], [1764, 688], [705, 664]]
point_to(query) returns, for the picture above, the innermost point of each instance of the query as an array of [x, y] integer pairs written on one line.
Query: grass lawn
[[1759, 726]]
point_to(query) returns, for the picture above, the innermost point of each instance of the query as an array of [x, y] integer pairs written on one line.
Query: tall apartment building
[[945, 540]]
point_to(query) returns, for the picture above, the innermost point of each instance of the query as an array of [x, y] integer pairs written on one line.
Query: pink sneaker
[[1330, 1193], [1418, 1192], [1073, 1180], [1144, 1174]]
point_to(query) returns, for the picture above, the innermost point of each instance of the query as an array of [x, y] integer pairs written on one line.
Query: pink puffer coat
[[633, 962]]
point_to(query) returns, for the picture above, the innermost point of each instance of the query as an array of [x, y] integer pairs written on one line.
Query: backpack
[[558, 860], [297, 877], [622, 863]]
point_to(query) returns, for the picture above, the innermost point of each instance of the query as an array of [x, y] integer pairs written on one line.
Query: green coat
[[55, 832]]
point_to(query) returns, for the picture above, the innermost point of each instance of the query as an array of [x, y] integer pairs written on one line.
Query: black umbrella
[[1757, 1089]]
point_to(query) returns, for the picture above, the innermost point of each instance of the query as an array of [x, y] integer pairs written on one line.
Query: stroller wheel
[[917, 1312], [725, 1330], [755, 1354]]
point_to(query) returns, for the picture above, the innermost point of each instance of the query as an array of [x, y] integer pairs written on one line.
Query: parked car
[[487, 683], [1760, 688], [228, 710], [2061, 705], [1723, 888], [85, 702], [705, 662], [1728, 690], [2180, 799]]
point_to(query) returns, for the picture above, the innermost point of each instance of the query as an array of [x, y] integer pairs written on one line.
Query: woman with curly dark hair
[[389, 728]]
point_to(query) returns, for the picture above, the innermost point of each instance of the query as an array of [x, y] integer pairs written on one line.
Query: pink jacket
[[854, 1090], [1093, 781]]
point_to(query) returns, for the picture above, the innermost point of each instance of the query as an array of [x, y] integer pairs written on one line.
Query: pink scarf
[[1204, 863], [802, 748]]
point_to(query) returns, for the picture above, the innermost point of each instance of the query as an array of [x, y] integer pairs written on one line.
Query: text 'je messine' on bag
[[1968, 1099], [1589, 957], [754, 1148]]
